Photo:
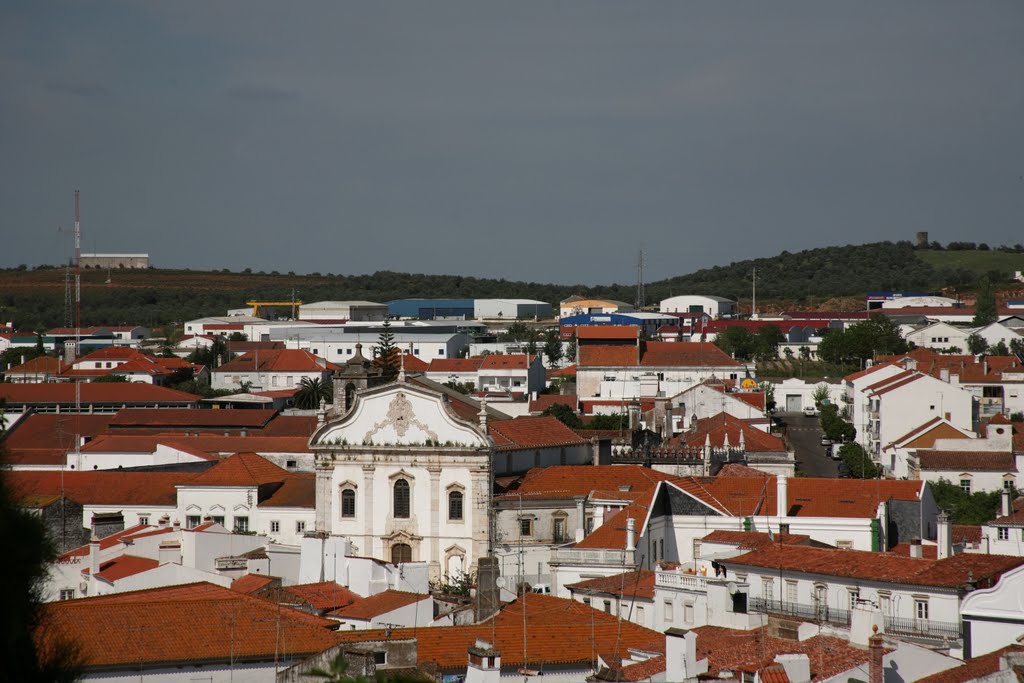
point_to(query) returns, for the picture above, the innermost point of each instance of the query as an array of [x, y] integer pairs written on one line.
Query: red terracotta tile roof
[[105, 543], [545, 401], [45, 438], [607, 356], [951, 572], [411, 363], [732, 650], [101, 487], [456, 365], [733, 469], [974, 668], [725, 426], [567, 371], [180, 624], [277, 360], [250, 583], [170, 418], [515, 361], [754, 539], [40, 365], [111, 353], [298, 491], [532, 432], [567, 481], [775, 673], [243, 469], [198, 443], [290, 425], [685, 354], [811, 497], [868, 371], [558, 631], [607, 332], [325, 595], [376, 605], [111, 393], [636, 584], [612, 534], [1016, 516], [643, 671], [967, 461], [124, 566], [966, 533]]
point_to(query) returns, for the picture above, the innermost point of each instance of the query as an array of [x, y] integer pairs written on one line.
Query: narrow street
[[804, 433]]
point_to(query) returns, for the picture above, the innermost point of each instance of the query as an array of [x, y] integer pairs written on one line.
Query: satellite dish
[[500, 582], [732, 588]]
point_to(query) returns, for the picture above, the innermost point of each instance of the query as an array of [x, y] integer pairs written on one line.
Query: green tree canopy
[[858, 462], [311, 391], [553, 347], [386, 354], [985, 311], [965, 508], [565, 414], [976, 344], [878, 335]]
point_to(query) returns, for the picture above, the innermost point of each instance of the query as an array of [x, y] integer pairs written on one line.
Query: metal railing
[[816, 612], [922, 628]]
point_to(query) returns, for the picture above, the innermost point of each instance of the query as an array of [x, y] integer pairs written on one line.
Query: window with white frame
[[640, 615], [275, 526], [300, 526], [558, 529], [791, 592], [885, 603], [348, 503], [143, 519], [921, 608], [668, 611], [242, 524], [1003, 533], [218, 519], [67, 594], [965, 483], [608, 606], [192, 521], [767, 588], [854, 597], [688, 612]]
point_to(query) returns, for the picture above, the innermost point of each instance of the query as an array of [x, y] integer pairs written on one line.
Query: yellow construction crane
[[257, 305]]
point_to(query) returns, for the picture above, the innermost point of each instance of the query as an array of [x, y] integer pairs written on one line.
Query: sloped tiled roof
[[91, 392], [607, 356], [974, 668], [966, 533], [754, 539], [105, 543], [612, 534], [811, 497], [179, 624], [951, 572], [298, 491], [558, 631], [607, 332], [566, 481], [545, 401], [639, 584], [732, 650], [967, 461], [685, 354], [722, 426], [532, 432], [45, 438], [124, 566], [734, 469], [243, 469], [325, 595], [170, 418], [290, 425], [100, 487], [277, 360], [40, 365], [375, 605], [515, 361], [250, 583], [453, 365]]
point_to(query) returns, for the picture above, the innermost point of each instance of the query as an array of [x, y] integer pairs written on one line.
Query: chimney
[[164, 521], [944, 374], [634, 416], [781, 496], [944, 537], [798, 667], [681, 656], [487, 594], [1005, 498], [581, 518], [94, 556], [876, 652], [483, 413], [915, 548], [630, 535], [669, 422], [484, 663]]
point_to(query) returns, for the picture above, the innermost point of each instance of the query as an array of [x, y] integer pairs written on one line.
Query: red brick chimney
[[875, 654]]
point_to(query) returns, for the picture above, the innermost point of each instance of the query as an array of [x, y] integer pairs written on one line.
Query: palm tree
[[312, 391]]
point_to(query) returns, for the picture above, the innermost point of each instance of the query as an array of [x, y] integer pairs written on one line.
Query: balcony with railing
[[927, 629], [596, 557], [680, 581]]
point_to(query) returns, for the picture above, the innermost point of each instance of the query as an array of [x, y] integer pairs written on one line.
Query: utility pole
[[640, 280], [753, 303]]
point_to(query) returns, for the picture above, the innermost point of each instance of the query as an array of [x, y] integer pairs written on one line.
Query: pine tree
[[386, 353]]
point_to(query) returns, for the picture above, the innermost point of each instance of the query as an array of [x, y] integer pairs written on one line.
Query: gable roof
[[376, 605], [45, 438], [171, 418], [558, 631], [952, 572], [455, 364], [925, 435], [612, 534], [718, 428], [967, 461], [124, 566], [40, 365], [250, 583], [323, 595], [568, 481], [532, 432], [811, 497], [100, 487], [635, 584], [514, 361], [192, 623], [277, 360], [243, 469], [115, 393]]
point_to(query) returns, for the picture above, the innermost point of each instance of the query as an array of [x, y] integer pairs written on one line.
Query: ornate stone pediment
[[400, 415]]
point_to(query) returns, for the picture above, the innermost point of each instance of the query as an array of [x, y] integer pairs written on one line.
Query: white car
[[810, 411]]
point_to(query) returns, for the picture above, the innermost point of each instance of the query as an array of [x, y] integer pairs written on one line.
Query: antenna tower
[[640, 280], [69, 318]]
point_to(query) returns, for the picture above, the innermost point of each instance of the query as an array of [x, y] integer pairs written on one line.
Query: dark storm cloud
[[542, 141]]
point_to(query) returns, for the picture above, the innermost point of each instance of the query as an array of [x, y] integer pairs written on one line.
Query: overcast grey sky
[[533, 140]]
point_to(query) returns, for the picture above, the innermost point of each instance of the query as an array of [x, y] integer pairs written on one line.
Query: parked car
[[825, 441], [810, 411]]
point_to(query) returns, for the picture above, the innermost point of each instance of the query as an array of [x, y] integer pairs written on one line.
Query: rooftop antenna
[[753, 302], [640, 280]]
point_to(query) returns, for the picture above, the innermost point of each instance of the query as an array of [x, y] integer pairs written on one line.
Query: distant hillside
[[35, 298]]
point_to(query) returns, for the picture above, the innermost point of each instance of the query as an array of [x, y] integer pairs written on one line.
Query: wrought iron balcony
[[929, 629]]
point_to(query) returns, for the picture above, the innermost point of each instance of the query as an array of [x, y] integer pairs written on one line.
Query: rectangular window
[[143, 519], [67, 594], [661, 548], [348, 503], [525, 526], [668, 612], [608, 606], [218, 519], [696, 548], [640, 615], [300, 527], [921, 609], [885, 603], [275, 526], [558, 529], [1008, 484], [965, 484], [1004, 533], [586, 601], [768, 589], [191, 521], [241, 524], [844, 545], [854, 597], [791, 588], [688, 612]]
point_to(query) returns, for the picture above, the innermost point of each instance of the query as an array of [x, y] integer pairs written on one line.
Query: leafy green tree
[[386, 354], [805, 353], [518, 332], [27, 556], [461, 387], [820, 394], [985, 311], [769, 395], [858, 461], [532, 342], [620, 421], [737, 341], [788, 353], [570, 349], [878, 335], [238, 337], [213, 356], [553, 347], [766, 342], [976, 344], [565, 414], [13, 356], [1000, 349], [836, 428], [111, 379], [311, 391], [965, 508], [1017, 346]]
